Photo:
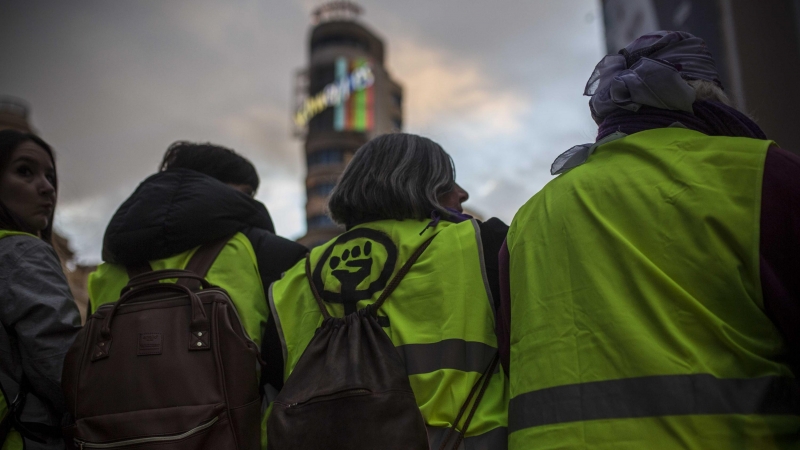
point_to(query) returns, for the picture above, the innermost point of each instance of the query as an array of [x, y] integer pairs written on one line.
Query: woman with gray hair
[[398, 193]]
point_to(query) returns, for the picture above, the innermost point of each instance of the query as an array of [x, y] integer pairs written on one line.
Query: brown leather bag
[[167, 366]]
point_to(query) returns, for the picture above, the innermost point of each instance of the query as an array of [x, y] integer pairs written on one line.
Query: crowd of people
[[647, 297]]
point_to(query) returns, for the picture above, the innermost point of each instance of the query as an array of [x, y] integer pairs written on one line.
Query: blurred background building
[[343, 98], [14, 114], [756, 45]]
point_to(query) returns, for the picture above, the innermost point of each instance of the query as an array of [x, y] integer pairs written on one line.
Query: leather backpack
[[167, 366], [350, 389]]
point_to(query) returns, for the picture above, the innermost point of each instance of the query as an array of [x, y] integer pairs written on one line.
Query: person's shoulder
[[494, 226], [275, 254], [266, 240], [24, 246]]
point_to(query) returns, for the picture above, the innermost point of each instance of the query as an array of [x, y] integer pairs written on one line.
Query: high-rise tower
[[343, 99]]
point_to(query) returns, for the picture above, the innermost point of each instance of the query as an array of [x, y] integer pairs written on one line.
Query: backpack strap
[[29, 430], [483, 382], [400, 275], [202, 260], [373, 308], [138, 269]]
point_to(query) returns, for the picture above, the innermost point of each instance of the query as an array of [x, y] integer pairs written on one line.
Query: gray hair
[[393, 176], [709, 91]]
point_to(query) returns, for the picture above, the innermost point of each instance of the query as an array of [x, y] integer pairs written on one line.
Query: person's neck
[[710, 118]]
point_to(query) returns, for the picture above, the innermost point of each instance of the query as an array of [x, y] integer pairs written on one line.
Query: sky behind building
[[112, 84]]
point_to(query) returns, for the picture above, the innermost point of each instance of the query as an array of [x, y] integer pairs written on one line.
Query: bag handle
[[373, 308], [157, 275], [483, 382], [198, 327]]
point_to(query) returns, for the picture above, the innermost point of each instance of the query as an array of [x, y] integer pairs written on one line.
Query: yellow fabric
[[13, 441], [644, 262], [444, 296], [235, 270]]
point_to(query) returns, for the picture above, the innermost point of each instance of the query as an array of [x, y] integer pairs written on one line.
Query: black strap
[[138, 269], [483, 382], [373, 308], [28, 430], [33, 431]]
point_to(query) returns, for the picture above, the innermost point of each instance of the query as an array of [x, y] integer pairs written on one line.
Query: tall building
[[756, 45], [343, 99]]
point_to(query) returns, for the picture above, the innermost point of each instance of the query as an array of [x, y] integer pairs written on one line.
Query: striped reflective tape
[[668, 395], [456, 354], [491, 440]]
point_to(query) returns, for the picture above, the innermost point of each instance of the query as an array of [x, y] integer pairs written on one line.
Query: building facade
[[343, 99]]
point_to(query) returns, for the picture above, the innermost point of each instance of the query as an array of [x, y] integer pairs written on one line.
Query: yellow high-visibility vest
[[637, 317], [440, 317]]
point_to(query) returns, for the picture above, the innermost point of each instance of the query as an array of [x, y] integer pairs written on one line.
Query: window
[[325, 157], [321, 221]]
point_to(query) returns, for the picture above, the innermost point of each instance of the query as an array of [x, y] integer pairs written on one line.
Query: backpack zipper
[[333, 396], [145, 440]]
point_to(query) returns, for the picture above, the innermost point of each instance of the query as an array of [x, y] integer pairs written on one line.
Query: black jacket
[[174, 211]]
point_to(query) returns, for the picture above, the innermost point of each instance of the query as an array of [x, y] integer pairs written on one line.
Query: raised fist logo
[[351, 258], [358, 252]]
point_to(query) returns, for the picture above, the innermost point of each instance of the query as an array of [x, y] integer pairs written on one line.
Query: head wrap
[[651, 71]]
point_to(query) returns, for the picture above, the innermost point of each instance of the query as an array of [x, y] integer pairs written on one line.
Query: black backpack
[[350, 389]]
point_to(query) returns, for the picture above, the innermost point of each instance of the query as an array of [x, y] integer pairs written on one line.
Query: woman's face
[[454, 198], [27, 185]]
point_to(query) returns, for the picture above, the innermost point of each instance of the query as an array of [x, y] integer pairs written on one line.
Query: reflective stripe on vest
[[636, 305], [455, 354], [670, 395], [496, 439], [440, 317]]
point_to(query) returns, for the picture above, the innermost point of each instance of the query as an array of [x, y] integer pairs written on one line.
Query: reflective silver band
[[273, 309], [448, 354], [491, 440], [668, 395], [482, 260]]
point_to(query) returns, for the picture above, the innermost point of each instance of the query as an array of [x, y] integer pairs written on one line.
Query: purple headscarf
[[651, 71]]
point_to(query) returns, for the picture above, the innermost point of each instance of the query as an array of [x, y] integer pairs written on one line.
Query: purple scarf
[[710, 118]]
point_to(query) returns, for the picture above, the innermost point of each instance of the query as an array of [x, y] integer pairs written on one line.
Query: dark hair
[[213, 160], [10, 140], [393, 176]]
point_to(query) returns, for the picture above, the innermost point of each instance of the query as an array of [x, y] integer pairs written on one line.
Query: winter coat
[[39, 323]]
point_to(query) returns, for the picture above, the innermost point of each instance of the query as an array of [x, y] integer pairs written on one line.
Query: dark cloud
[[112, 84]]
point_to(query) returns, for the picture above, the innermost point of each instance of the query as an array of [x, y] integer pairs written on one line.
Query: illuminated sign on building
[[351, 96]]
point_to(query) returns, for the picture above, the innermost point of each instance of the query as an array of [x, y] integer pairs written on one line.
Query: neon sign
[[352, 90]]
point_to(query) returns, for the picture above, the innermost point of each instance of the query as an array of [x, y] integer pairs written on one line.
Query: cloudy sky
[[112, 84]]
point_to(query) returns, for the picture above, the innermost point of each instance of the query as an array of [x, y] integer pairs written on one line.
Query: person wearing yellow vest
[[38, 317], [203, 193], [397, 192], [638, 310]]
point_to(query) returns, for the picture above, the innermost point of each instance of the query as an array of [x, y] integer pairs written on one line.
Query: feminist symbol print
[[351, 260]]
